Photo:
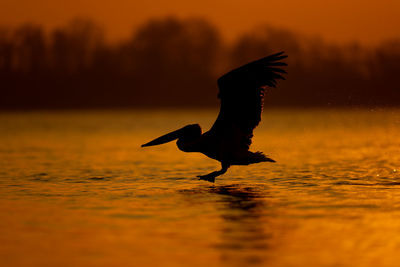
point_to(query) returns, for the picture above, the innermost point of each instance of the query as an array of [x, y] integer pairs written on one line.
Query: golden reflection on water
[[77, 190]]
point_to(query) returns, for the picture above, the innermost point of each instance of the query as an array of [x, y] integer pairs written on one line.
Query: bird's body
[[221, 145], [241, 92]]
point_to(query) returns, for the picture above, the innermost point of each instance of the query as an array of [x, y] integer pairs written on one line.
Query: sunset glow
[[341, 21], [199, 133]]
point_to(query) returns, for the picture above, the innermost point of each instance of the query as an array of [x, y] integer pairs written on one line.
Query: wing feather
[[241, 92]]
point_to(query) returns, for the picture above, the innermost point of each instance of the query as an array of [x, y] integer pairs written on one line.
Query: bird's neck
[[188, 145]]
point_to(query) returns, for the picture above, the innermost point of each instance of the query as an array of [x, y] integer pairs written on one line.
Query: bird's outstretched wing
[[241, 92]]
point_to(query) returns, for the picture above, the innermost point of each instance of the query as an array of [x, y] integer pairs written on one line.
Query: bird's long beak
[[165, 138]]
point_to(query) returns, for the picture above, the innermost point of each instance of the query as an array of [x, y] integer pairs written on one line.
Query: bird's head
[[189, 131]]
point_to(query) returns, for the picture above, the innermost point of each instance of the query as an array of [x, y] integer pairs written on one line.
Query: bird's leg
[[211, 176]]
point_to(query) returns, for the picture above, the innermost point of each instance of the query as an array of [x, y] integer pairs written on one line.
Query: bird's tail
[[256, 157]]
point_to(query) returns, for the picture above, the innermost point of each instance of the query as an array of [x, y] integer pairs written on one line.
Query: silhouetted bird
[[241, 92]]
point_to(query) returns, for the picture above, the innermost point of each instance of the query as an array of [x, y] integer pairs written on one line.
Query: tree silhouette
[[175, 62]]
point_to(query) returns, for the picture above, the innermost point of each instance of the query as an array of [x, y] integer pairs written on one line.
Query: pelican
[[241, 92]]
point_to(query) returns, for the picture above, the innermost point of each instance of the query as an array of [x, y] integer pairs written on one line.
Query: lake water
[[76, 189]]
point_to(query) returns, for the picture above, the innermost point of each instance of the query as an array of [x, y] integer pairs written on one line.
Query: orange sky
[[368, 21]]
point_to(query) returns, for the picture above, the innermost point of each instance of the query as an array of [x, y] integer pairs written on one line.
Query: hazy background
[[91, 54], [369, 22]]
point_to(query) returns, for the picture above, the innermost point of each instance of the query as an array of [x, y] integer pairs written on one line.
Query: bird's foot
[[207, 177]]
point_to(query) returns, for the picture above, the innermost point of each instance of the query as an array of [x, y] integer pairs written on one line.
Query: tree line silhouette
[[175, 62]]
